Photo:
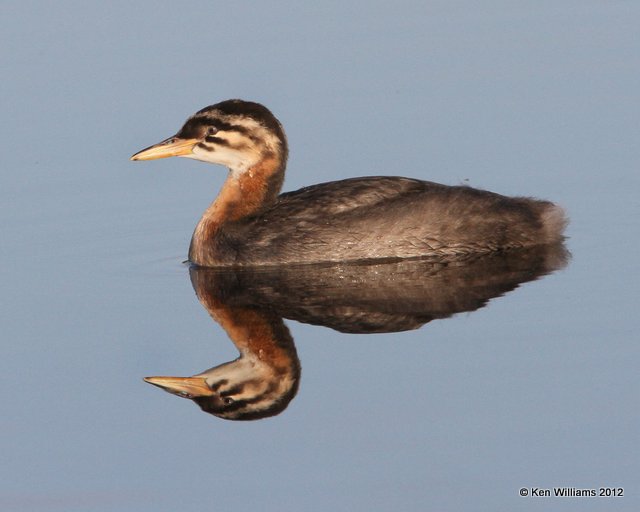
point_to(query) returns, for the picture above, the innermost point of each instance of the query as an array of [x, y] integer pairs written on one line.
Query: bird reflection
[[251, 303]]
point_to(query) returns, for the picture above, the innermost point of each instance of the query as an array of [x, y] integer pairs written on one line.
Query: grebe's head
[[235, 133], [244, 389]]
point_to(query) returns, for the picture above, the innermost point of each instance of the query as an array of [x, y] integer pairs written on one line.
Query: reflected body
[[250, 304], [355, 219]]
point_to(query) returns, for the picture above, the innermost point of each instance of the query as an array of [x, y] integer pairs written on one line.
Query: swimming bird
[[369, 218]]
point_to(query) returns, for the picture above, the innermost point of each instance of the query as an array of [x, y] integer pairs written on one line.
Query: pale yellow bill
[[186, 387], [173, 146]]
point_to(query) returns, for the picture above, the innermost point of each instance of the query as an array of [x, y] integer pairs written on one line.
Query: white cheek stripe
[[236, 161]]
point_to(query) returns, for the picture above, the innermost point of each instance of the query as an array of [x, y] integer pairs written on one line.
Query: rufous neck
[[257, 334], [246, 193], [243, 195]]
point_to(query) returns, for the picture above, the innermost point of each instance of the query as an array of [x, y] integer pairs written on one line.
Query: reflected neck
[[260, 336]]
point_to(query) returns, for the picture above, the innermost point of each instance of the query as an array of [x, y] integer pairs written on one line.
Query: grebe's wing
[[337, 197]]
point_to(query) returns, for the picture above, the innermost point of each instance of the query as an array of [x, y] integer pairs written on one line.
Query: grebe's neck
[[245, 193]]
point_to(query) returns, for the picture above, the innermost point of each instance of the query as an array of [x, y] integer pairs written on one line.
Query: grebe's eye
[[211, 130], [227, 400]]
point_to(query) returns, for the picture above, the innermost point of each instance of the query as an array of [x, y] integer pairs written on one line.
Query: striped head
[[245, 389], [235, 133]]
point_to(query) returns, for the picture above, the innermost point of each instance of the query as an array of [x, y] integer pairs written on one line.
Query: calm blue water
[[538, 389]]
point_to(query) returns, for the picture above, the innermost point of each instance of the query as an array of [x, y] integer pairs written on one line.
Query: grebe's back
[[387, 218], [347, 220]]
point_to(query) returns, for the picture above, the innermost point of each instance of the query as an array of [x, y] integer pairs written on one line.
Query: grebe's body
[[374, 218], [348, 220]]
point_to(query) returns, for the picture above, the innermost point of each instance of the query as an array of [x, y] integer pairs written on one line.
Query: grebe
[[354, 219]]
